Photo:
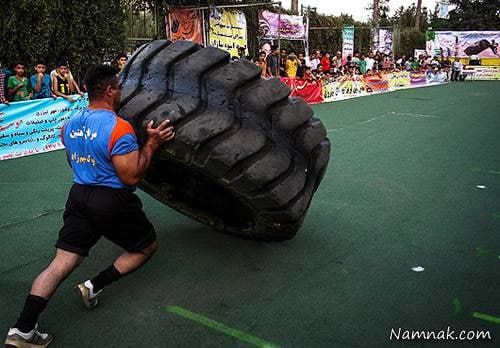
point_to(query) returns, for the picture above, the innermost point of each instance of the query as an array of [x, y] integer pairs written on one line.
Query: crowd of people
[[17, 84], [281, 63]]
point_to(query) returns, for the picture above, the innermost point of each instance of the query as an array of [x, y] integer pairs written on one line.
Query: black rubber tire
[[246, 158]]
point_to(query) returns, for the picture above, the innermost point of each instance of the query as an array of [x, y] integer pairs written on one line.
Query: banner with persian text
[[32, 127], [288, 27], [185, 25], [475, 72], [228, 30], [347, 42]]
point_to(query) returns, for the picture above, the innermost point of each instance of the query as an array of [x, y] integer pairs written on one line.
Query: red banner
[[185, 25], [376, 83], [310, 91]]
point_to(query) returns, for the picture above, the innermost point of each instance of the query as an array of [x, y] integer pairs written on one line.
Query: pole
[[306, 43], [228, 6], [279, 41]]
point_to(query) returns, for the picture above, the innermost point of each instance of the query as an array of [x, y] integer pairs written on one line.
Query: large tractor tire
[[246, 158]]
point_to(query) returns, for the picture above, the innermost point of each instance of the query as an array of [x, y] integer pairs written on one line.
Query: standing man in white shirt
[[456, 70]]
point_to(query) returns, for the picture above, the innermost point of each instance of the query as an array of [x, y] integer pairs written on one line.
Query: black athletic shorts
[[95, 211]]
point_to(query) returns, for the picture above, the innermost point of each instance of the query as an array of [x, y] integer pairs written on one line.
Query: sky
[[356, 8]]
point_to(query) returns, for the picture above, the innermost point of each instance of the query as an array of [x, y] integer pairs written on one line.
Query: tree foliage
[[470, 15], [85, 32]]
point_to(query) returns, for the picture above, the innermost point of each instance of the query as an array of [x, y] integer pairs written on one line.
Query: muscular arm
[[132, 166]]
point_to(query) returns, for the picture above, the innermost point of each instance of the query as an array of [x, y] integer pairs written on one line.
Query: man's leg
[[44, 287], [123, 265]]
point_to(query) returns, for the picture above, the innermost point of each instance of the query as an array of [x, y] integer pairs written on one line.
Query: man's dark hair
[[41, 62], [61, 62], [120, 55], [18, 63], [98, 78]]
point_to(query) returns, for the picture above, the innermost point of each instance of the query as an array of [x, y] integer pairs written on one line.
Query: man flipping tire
[[107, 163]]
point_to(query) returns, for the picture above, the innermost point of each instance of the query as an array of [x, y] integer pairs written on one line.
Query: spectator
[[401, 62], [292, 65], [40, 82], [319, 72], [119, 62], [362, 64], [456, 70], [308, 75], [261, 62], [337, 60], [348, 61], [302, 65], [272, 62], [370, 61], [314, 61], [18, 85], [282, 63], [408, 64], [241, 53], [355, 59], [325, 61], [415, 65], [63, 84]]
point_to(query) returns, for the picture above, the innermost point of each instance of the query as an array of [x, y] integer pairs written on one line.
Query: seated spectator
[[63, 84], [325, 61], [18, 85], [308, 75], [40, 82], [355, 59], [314, 60], [318, 73]]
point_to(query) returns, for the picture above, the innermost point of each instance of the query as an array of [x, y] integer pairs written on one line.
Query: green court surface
[[414, 181]]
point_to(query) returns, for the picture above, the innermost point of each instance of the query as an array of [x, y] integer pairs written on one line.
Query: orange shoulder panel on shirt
[[122, 127], [61, 135]]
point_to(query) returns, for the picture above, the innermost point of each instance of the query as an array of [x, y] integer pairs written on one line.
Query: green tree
[[86, 32], [470, 15]]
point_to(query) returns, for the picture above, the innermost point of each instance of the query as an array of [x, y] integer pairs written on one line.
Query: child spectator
[[272, 62], [119, 62], [18, 85], [302, 65], [308, 75], [261, 62], [325, 61], [63, 84], [362, 64], [40, 82]]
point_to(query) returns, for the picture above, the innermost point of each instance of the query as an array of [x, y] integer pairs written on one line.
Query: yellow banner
[[228, 30]]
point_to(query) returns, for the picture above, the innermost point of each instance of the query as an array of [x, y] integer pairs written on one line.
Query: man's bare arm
[[132, 166]]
